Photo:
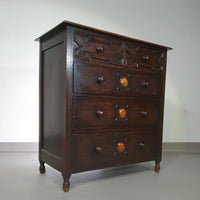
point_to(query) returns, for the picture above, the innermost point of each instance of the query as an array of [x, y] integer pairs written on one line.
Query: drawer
[[99, 150], [145, 57], [93, 79], [90, 46], [106, 113]]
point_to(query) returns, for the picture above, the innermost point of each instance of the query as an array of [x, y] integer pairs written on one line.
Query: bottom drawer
[[99, 150]]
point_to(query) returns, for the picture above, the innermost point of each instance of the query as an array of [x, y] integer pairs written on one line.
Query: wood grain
[[101, 100]]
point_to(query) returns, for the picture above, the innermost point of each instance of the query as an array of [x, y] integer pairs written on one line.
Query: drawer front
[[90, 46], [145, 57], [93, 79], [99, 150], [105, 113]]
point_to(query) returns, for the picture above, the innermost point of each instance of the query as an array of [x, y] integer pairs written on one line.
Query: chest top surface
[[63, 25]]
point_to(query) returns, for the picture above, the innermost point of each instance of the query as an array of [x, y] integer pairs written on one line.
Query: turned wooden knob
[[98, 149], [145, 84], [145, 58], [99, 113], [143, 113], [141, 145], [122, 113], [99, 49], [136, 65], [118, 88], [120, 147], [124, 82], [100, 79]]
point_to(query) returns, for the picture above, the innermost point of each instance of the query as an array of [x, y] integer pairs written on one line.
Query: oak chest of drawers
[[101, 100]]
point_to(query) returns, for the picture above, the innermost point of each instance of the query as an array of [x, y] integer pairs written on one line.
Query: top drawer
[[145, 57], [97, 47], [105, 49]]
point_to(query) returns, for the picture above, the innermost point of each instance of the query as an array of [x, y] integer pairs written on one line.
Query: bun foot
[[66, 186], [157, 166], [42, 167]]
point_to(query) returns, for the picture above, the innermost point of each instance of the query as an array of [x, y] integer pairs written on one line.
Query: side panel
[[52, 100]]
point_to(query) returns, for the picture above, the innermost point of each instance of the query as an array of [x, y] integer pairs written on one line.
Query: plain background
[[173, 23]]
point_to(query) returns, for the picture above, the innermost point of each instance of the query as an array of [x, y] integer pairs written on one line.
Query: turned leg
[[157, 166], [66, 184], [42, 167]]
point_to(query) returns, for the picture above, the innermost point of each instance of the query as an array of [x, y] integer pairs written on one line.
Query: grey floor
[[179, 178]]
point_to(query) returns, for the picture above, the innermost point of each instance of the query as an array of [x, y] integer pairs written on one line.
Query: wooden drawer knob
[[145, 84], [120, 147], [124, 82], [122, 113], [141, 145], [145, 58], [98, 149], [99, 113], [99, 49], [100, 79], [143, 113]]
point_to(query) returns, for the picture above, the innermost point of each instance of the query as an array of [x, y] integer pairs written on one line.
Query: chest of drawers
[[101, 100]]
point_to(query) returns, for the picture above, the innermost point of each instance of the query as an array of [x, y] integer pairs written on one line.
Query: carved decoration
[[145, 57], [94, 47], [113, 51]]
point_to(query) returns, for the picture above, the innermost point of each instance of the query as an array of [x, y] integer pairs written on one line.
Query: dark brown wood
[[144, 113], [92, 46], [66, 184], [98, 149], [40, 102], [51, 159], [84, 155], [100, 79], [53, 41], [139, 83], [42, 167], [68, 62], [157, 166], [53, 83], [145, 57], [66, 23], [101, 100], [86, 107], [99, 113], [162, 98]]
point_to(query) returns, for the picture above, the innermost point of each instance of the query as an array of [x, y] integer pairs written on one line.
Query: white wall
[[174, 23]]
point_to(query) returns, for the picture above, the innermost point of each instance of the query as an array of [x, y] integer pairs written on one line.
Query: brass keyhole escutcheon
[[120, 147], [124, 82], [122, 113]]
